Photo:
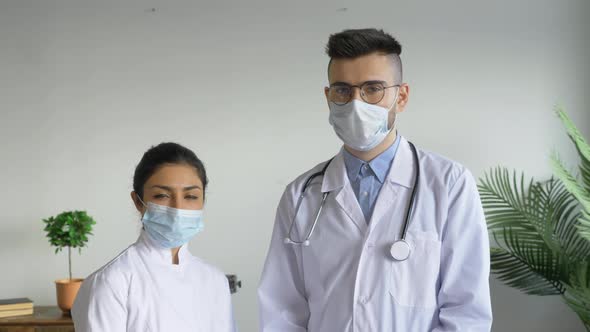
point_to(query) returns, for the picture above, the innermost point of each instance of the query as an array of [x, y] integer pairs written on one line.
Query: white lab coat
[[141, 290], [346, 280]]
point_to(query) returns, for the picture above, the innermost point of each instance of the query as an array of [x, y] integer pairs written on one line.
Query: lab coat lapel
[[336, 178], [349, 203], [397, 187]]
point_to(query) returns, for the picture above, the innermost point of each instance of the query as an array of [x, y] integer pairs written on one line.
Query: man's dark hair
[[353, 43]]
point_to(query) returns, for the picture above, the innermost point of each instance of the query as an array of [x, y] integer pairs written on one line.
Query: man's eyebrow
[[375, 81], [339, 83], [365, 82]]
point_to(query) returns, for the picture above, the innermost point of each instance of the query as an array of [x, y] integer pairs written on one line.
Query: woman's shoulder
[[208, 272], [117, 271], [106, 287]]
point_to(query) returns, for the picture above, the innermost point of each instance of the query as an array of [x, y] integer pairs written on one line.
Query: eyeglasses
[[371, 92]]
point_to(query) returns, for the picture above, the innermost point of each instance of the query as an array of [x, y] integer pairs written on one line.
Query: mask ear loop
[[140, 200]]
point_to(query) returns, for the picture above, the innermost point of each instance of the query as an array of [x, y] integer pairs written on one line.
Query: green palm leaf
[[528, 269], [504, 199], [580, 190], [581, 194], [543, 228], [581, 146], [571, 183], [559, 210], [535, 226], [577, 295]]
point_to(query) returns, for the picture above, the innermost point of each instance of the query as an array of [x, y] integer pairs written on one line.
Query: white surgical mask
[[170, 227], [360, 125]]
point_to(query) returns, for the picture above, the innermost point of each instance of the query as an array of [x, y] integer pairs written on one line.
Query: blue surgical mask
[[360, 125], [170, 227]]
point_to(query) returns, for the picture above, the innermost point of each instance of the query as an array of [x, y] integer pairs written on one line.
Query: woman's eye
[[161, 196]]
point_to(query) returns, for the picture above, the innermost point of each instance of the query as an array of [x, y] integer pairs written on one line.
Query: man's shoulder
[[300, 180], [445, 169]]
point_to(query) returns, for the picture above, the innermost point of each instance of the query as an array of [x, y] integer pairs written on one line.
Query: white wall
[[87, 87]]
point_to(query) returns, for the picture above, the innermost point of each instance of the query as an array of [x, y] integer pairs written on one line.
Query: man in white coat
[[387, 237]]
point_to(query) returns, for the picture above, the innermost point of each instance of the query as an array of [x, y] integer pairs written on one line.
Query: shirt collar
[[380, 165], [402, 170], [163, 255]]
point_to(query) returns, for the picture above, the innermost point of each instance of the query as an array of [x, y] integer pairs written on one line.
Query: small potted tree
[[68, 229]]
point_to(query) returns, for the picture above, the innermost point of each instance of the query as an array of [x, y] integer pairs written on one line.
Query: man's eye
[[373, 89], [345, 91], [192, 197], [161, 196]]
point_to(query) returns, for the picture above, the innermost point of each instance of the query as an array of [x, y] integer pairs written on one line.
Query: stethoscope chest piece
[[400, 250]]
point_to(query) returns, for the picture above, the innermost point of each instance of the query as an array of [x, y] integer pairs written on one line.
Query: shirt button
[[363, 300], [365, 193], [365, 167]]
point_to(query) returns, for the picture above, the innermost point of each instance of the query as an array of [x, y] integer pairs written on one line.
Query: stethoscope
[[400, 249]]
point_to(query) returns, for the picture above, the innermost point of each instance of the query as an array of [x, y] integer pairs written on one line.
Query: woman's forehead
[[175, 175]]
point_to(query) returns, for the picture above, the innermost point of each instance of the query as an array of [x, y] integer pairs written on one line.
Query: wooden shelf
[[43, 319]]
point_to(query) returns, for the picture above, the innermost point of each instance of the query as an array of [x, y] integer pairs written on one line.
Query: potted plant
[[68, 229], [542, 228]]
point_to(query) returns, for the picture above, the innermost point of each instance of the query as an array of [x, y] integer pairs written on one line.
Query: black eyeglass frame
[[360, 87]]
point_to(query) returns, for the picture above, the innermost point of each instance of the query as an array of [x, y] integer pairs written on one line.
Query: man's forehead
[[366, 68]]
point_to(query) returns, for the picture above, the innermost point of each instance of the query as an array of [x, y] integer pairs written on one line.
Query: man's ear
[[403, 97]]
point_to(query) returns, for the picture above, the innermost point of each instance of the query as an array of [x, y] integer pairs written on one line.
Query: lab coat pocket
[[414, 282]]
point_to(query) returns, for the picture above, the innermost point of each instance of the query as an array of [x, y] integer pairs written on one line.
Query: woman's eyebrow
[[162, 187], [191, 188], [167, 188]]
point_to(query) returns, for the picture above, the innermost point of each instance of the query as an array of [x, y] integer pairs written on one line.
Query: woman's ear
[[137, 202]]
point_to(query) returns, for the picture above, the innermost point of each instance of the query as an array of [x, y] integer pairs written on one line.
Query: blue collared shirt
[[366, 178]]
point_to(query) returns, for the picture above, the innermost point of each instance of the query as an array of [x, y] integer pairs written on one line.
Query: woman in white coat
[[156, 284]]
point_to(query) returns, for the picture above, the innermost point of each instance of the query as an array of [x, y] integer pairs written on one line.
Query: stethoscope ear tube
[[305, 242]]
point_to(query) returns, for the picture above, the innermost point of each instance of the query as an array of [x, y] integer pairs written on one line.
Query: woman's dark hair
[[161, 155]]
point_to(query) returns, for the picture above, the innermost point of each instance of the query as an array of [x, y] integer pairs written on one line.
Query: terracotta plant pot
[[66, 290]]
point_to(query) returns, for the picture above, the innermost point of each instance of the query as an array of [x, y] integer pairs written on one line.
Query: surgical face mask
[[170, 227], [360, 125]]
